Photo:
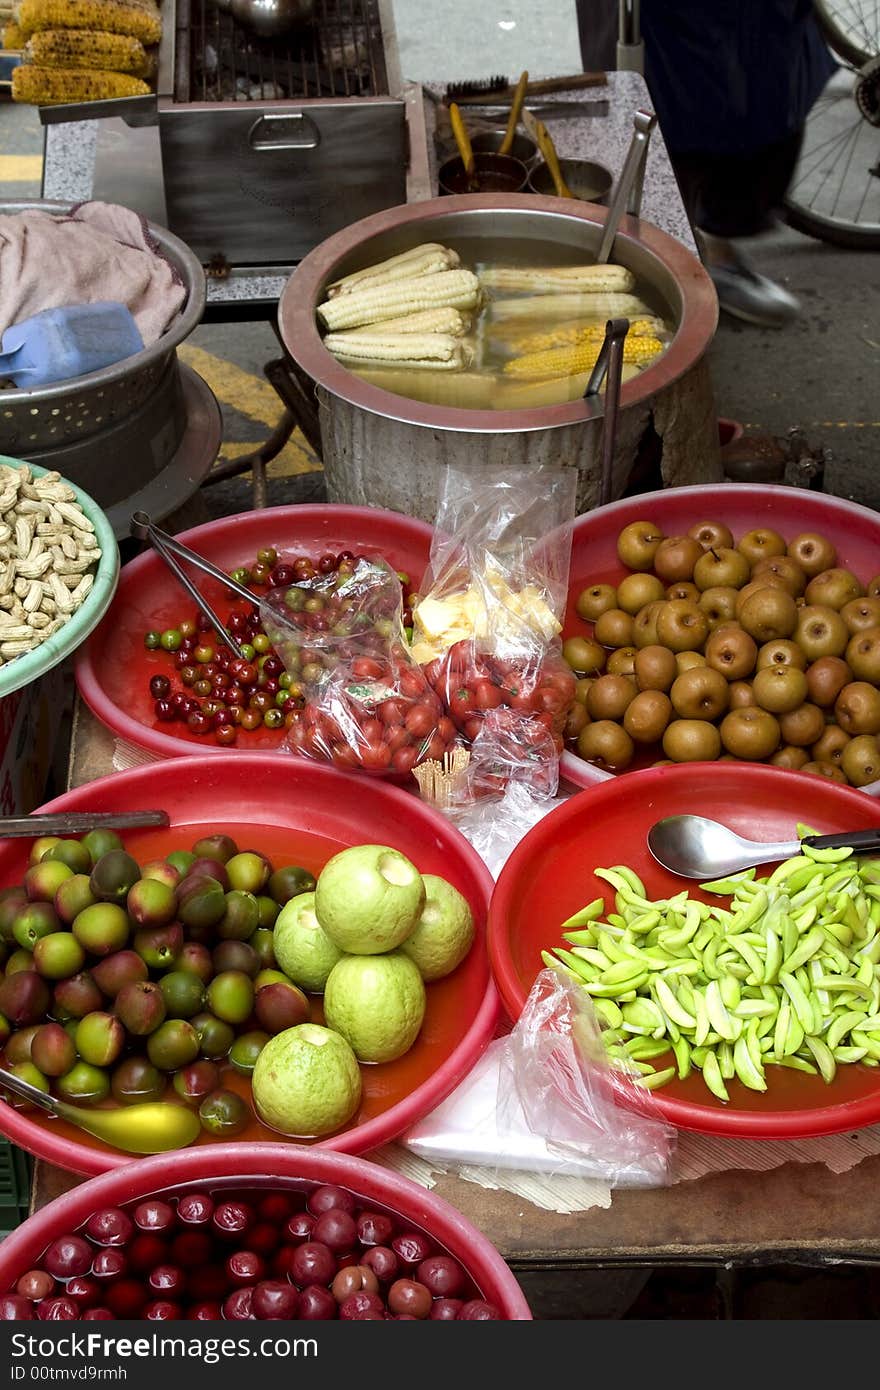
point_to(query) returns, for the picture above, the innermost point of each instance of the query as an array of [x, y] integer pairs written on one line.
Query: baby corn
[[597, 279], [437, 351], [428, 321], [421, 260], [573, 334], [457, 289], [568, 361], [556, 307]]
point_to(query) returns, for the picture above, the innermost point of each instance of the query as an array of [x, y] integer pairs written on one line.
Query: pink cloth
[[98, 253]]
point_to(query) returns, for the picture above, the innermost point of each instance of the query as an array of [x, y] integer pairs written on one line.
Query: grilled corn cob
[[569, 361], [458, 289], [421, 260], [139, 18], [572, 334], [596, 279], [556, 307], [54, 86], [428, 321], [13, 36], [86, 48], [438, 351]]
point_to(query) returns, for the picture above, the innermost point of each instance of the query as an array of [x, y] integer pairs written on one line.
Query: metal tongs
[[627, 195], [167, 548]]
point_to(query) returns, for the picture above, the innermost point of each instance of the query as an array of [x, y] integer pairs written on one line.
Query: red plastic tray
[[113, 668], [549, 877], [299, 813], [854, 530], [277, 1165]]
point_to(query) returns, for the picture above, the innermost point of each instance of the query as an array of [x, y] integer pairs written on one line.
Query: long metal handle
[[609, 363], [78, 823], [143, 528], [852, 839], [643, 123], [25, 1091]]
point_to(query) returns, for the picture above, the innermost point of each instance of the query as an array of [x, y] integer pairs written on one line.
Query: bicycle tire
[[826, 229], [842, 43]]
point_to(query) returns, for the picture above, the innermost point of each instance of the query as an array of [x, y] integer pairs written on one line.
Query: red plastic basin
[[854, 531], [299, 813], [113, 668], [280, 1166], [549, 877]]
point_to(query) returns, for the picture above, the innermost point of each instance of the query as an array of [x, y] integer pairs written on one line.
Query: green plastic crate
[[15, 1187]]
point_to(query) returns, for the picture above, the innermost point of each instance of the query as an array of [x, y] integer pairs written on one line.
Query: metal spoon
[[696, 847], [151, 1128]]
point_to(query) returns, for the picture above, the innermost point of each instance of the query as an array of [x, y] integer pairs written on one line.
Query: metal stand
[[295, 390]]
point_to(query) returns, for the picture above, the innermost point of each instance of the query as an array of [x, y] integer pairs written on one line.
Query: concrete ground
[[821, 374]]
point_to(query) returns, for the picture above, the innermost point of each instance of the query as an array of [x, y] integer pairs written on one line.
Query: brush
[[502, 89]]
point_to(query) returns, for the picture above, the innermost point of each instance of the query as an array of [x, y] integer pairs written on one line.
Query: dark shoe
[[742, 292]]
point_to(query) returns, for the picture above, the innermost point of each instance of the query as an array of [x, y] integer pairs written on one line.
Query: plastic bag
[[544, 1100], [495, 827], [366, 704], [556, 1073], [487, 628]]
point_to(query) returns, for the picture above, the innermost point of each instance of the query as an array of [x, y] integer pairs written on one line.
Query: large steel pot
[[383, 450], [115, 431]]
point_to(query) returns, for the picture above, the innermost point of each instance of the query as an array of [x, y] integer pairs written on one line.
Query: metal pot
[[115, 431], [385, 450]]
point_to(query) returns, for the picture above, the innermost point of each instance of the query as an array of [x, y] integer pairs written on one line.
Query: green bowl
[[25, 669]]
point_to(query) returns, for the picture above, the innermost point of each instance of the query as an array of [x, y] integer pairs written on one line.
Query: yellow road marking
[[253, 397], [21, 168]]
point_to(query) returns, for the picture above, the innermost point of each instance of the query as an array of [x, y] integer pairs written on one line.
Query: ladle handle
[[462, 139], [25, 1091], [851, 839], [631, 178], [519, 97]]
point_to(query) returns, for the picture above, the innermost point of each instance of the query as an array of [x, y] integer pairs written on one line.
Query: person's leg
[[732, 196], [597, 22]]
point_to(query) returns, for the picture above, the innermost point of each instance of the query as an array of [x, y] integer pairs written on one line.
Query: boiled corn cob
[[139, 18], [55, 86], [458, 289], [597, 279], [572, 334], [513, 394], [421, 260], [459, 390], [569, 361], [428, 321], [555, 307], [438, 351], [86, 48]]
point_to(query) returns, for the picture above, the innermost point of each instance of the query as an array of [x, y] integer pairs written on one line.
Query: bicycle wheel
[[852, 28], [835, 191]]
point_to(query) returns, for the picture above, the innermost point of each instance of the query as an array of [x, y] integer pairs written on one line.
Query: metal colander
[[48, 420]]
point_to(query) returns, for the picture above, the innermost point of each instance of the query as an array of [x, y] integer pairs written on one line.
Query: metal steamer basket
[[128, 430], [389, 451]]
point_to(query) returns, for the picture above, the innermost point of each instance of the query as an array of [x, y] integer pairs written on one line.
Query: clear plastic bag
[[367, 706], [544, 1100], [555, 1073], [487, 628]]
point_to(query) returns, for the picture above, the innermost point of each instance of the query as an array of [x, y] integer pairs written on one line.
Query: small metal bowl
[[489, 141], [591, 183], [495, 173]]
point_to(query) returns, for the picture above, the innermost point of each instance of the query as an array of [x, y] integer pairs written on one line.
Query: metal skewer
[[78, 822], [167, 547]]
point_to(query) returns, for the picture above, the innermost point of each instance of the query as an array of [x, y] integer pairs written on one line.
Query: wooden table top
[[798, 1212]]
